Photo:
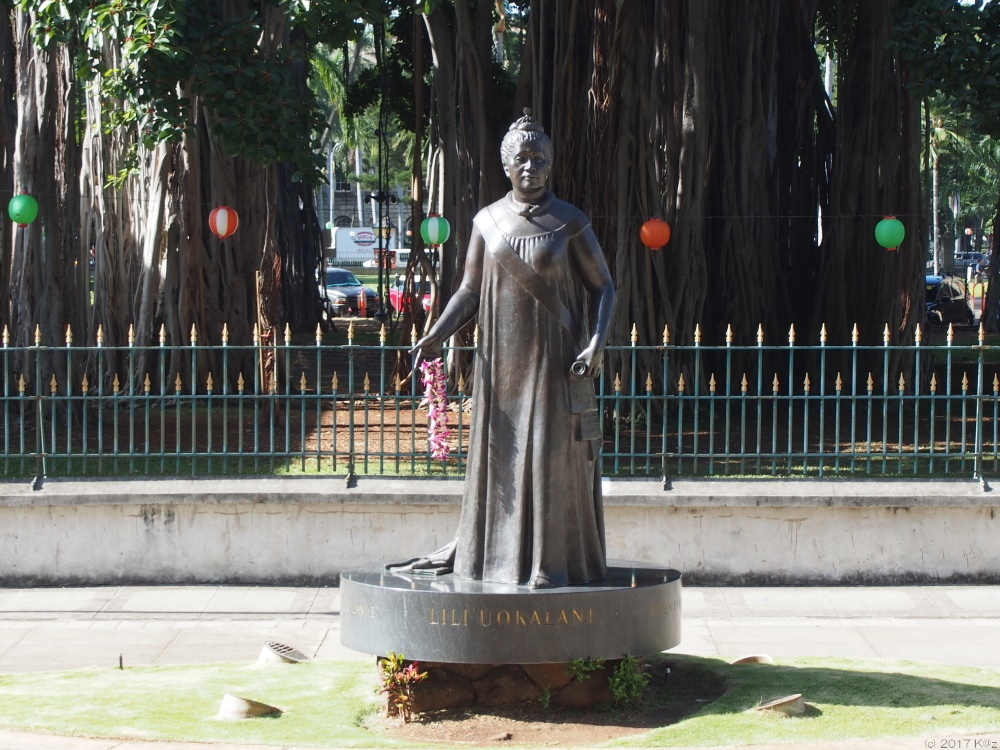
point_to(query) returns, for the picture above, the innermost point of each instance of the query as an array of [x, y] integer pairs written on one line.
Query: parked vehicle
[[345, 294], [947, 300], [399, 301], [963, 260]]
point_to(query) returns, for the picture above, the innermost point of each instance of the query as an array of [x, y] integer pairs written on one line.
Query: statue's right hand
[[429, 347]]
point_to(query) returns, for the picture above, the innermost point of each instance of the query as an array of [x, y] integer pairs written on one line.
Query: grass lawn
[[325, 703]]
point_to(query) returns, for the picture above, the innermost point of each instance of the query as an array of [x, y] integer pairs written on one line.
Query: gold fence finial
[[225, 333], [38, 335], [100, 335], [319, 334], [697, 334], [69, 334], [855, 334], [194, 334], [886, 335], [760, 334], [729, 334], [131, 334], [822, 333], [791, 334], [666, 334], [634, 335]]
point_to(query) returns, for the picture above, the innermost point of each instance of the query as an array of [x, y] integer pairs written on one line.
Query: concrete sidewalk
[[45, 629]]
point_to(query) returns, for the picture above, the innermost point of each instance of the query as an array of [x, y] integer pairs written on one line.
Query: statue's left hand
[[591, 358]]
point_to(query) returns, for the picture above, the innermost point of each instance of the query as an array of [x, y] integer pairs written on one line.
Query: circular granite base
[[636, 610]]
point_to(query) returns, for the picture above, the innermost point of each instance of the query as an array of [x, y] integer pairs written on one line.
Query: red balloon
[[654, 233], [223, 222]]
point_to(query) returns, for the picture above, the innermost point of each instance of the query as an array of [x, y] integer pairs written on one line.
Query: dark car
[[400, 301], [345, 295], [947, 300]]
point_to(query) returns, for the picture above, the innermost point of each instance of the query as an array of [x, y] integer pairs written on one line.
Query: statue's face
[[528, 167]]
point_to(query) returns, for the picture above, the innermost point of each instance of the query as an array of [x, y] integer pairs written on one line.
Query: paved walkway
[[67, 628]]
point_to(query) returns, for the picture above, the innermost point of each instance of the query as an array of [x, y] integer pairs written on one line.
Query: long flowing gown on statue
[[532, 509]]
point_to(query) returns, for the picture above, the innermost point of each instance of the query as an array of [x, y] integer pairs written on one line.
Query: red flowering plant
[[396, 681]]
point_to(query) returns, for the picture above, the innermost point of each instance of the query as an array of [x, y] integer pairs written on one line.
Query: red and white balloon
[[223, 222]]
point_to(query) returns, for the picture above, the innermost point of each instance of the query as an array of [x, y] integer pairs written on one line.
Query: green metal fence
[[754, 409]]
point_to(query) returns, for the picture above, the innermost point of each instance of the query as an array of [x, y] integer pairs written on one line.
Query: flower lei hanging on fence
[[437, 407]]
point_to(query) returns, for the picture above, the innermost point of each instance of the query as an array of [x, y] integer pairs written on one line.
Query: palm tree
[[942, 118]]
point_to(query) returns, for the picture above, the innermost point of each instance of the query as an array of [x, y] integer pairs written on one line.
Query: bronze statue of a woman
[[532, 511]]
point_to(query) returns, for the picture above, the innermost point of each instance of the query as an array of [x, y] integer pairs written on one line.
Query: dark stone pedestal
[[635, 611]]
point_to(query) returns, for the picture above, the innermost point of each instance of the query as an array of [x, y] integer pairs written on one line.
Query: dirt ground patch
[[669, 698]]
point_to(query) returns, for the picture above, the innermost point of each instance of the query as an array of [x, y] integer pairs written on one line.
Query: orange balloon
[[654, 233]]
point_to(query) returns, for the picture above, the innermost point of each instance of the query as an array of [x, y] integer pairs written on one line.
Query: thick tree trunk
[[875, 173], [8, 129], [47, 268]]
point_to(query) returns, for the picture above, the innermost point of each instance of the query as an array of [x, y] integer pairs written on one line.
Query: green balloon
[[22, 209], [890, 232]]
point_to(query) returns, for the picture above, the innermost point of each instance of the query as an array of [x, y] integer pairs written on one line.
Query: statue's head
[[521, 130]]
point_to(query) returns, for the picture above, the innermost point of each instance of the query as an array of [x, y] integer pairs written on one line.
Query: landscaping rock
[[587, 692], [506, 685], [551, 676], [443, 688]]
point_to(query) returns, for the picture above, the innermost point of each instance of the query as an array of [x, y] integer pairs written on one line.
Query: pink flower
[[437, 407]]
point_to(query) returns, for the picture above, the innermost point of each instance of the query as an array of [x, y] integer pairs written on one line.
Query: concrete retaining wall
[[306, 530]]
